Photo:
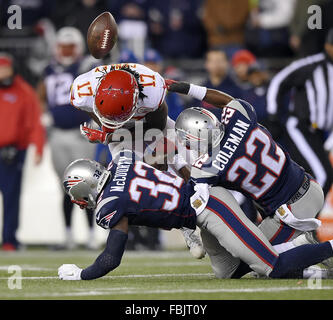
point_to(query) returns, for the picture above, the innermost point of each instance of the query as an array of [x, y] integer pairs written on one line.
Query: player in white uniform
[[117, 96], [153, 87]]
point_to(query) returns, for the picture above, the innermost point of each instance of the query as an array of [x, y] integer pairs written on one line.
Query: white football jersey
[[84, 88]]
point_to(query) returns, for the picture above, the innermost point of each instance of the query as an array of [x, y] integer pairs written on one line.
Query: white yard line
[[127, 276], [74, 253], [156, 263], [25, 267]]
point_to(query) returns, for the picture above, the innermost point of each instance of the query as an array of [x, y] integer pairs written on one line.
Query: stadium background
[[274, 31]]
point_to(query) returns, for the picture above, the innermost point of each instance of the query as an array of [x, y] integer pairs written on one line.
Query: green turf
[[144, 275]]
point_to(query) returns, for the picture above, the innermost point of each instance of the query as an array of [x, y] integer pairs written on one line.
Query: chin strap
[[81, 203]]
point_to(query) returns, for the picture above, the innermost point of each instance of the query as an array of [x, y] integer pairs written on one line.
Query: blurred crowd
[[226, 45], [176, 29]]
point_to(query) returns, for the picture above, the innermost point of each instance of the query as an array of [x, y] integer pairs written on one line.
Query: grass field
[[142, 275]]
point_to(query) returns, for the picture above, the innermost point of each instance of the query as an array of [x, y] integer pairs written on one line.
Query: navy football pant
[[10, 187], [229, 237]]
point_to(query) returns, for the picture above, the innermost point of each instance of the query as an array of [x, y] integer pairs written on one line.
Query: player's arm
[[95, 118], [107, 261], [214, 97], [185, 173], [157, 119]]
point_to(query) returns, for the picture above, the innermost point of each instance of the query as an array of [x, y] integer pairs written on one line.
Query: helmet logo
[[71, 182], [104, 222], [192, 137]]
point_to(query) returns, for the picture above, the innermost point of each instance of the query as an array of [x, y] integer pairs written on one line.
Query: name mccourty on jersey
[[121, 173]]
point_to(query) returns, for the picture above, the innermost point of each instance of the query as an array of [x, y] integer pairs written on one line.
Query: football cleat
[[193, 242], [305, 238]]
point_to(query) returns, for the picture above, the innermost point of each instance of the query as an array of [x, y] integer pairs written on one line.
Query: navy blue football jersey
[[58, 80], [248, 160], [147, 196]]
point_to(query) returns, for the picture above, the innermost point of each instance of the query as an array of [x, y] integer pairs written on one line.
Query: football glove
[[177, 86], [69, 272], [94, 135]]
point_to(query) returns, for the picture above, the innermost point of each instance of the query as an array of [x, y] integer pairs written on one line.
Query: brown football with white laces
[[102, 35]]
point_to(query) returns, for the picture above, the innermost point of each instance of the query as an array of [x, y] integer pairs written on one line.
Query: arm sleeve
[[245, 108], [109, 259]]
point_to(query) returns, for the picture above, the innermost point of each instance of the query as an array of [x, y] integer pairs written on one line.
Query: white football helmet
[[69, 45], [83, 181], [199, 129]]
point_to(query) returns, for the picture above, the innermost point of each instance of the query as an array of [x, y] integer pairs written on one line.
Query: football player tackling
[[131, 192], [244, 157], [122, 96]]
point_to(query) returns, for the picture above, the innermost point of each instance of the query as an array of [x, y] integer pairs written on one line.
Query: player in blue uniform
[[132, 192], [244, 157], [247, 159]]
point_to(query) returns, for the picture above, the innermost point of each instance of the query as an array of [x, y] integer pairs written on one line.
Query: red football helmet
[[116, 98]]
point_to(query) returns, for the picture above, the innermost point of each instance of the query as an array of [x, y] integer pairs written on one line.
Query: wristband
[[179, 161], [197, 92]]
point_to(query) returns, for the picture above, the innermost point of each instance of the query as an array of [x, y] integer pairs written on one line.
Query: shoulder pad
[[245, 108]]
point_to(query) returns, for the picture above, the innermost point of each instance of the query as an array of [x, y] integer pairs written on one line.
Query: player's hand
[[177, 86], [169, 83], [69, 272], [94, 135]]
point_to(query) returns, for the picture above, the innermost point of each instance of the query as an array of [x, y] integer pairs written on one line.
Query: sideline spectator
[[252, 80], [131, 17], [303, 40], [21, 126], [217, 67], [66, 142], [225, 23], [268, 28], [175, 27], [78, 14]]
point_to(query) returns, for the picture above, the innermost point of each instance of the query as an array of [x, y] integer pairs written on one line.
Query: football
[[102, 35]]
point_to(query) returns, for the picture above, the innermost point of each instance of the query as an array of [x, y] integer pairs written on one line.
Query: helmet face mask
[[116, 98], [83, 181], [198, 129]]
